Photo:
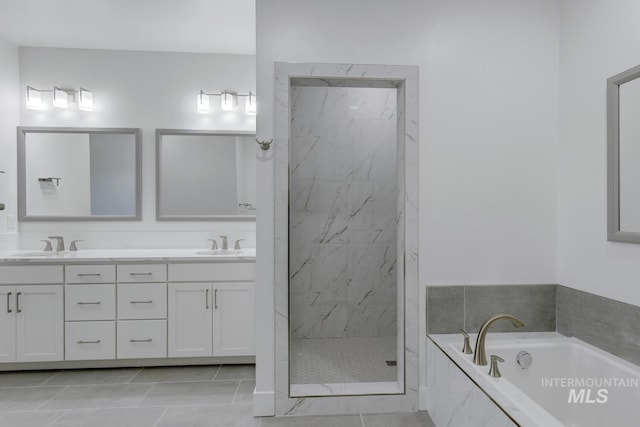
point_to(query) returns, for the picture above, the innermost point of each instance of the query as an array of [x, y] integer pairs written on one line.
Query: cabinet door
[[39, 314], [233, 320], [189, 317], [7, 324]]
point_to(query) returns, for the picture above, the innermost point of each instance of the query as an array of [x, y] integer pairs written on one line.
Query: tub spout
[[479, 356]]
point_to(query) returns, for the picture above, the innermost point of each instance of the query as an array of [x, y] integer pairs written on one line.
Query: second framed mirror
[[205, 175]]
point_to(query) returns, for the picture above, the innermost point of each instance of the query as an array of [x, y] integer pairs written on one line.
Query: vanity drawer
[[90, 273], [33, 274], [142, 300], [90, 302], [90, 340], [213, 272], [135, 273], [142, 339]]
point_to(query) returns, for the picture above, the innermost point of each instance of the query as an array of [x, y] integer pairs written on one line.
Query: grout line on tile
[[236, 393], [216, 374], [53, 423], [145, 395], [50, 378], [161, 415], [464, 308], [134, 375], [52, 397]]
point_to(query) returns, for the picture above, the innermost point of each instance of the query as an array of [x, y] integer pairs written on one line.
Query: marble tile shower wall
[[343, 212]]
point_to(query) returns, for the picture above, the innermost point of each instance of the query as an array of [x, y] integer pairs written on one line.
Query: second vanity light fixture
[[228, 100], [60, 98]]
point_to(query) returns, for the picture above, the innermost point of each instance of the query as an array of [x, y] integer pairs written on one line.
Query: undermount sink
[[38, 254], [219, 252]]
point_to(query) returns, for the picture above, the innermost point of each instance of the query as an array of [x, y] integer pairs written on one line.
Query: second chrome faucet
[[479, 355]]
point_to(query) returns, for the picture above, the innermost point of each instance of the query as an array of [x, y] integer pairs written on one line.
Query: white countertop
[[128, 255]]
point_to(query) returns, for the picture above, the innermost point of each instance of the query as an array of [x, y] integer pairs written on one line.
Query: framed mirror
[[205, 175], [623, 156], [79, 174]]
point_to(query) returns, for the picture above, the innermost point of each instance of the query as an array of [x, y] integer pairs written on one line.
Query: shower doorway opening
[[346, 236]]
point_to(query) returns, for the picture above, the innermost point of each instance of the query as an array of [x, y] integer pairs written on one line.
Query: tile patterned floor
[[343, 360], [217, 396]]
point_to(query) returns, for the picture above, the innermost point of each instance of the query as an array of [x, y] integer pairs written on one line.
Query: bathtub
[[569, 382]]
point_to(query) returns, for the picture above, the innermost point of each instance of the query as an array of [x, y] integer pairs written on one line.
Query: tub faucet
[[479, 356]]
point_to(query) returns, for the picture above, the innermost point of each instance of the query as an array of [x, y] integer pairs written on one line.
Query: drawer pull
[[215, 294], [89, 342], [140, 274], [88, 303], [147, 340], [206, 299], [141, 302], [9, 302], [88, 274], [18, 309]]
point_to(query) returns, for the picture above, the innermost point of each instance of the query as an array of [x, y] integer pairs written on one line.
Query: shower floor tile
[[343, 360]]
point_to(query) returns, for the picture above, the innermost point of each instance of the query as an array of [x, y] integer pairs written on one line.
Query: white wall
[[488, 127], [9, 119], [599, 39], [148, 90]]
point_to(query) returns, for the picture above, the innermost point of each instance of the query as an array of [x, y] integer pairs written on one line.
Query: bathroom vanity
[[100, 308]]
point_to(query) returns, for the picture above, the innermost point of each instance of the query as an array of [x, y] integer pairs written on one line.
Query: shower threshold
[[342, 389]]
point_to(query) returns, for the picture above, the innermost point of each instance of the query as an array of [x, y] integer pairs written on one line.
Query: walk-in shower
[[346, 237], [343, 231]]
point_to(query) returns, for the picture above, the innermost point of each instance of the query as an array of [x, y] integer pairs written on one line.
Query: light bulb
[[34, 98], [203, 103], [250, 106], [60, 98], [85, 102], [226, 101]]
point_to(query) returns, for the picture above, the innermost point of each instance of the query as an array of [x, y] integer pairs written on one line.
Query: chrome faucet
[[47, 246], [59, 243], [479, 356], [225, 244]]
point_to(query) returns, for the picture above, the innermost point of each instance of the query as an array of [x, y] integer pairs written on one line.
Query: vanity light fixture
[[34, 98], [203, 102], [228, 101], [85, 100], [250, 105], [60, 98]]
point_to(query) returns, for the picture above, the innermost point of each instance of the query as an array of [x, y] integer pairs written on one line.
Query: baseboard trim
[[423, 398], [264, 403]]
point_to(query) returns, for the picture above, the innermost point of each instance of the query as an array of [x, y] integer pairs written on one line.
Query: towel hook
[[265, 145]]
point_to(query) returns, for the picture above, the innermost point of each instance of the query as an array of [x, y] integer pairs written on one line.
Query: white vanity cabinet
[[211, 309], [142, 311], [190, 316], [31, 324], [120, 312], [234, 319], [90, 312]]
